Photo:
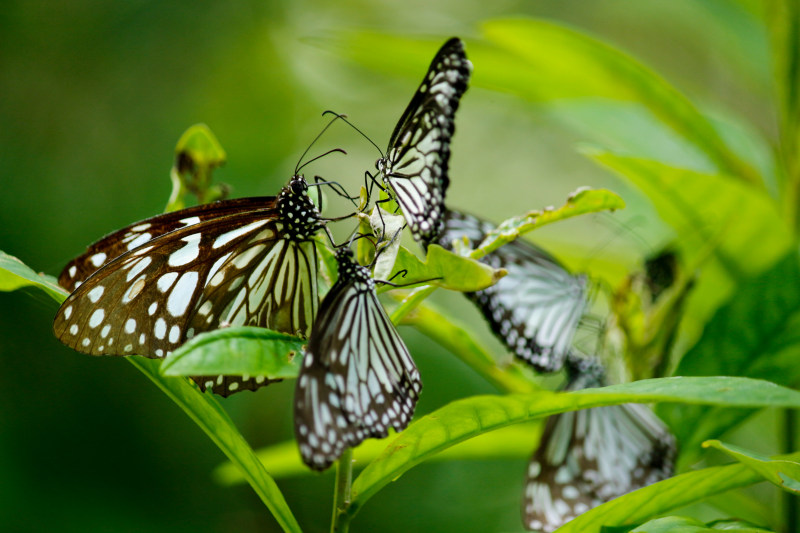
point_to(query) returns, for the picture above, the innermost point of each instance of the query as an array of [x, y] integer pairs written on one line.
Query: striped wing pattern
[[357, 378], [591, 456], [535, 309], [416, 162], [247, 268]]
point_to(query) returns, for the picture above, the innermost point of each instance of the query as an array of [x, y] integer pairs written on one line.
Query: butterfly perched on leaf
[[416, 161], [536, 308], [591, 456], [151, 286], [357, 379]]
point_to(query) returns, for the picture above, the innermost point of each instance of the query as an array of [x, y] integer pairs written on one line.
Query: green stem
[[411, 302], [340, 522]]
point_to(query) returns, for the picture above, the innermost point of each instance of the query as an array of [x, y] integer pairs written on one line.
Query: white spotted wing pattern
[[536, 308], [256, 267], [357, 379], [416, 162], [591, 456]]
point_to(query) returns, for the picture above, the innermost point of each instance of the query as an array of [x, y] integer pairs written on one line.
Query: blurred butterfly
[[415, 165], [149, 287], [357, 378], [535, 309], [591, 456]]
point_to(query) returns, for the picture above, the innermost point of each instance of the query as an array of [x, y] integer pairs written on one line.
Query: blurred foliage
[[678, 99]]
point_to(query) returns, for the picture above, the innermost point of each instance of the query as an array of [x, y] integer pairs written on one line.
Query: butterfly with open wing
[[591, 456], [357, 378], [149, 287], [536, 308], [416, 162]]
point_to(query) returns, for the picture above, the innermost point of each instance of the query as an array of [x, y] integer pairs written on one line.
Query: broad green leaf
[[283, 459], [708, 208], [444, 268], [197, 154], [465, 419], [756, 334], [659, 498], [201, 408], [14, 275], [682, 524], [237, 351], [206, 412], [582, 201], [781, 472], [553, 61]]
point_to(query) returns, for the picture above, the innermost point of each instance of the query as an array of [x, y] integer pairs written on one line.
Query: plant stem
[[340, 522]]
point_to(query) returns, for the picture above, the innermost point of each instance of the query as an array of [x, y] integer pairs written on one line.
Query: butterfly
[[149, 287], [536, 308], [416, 161], [357, 378], [591, 456]]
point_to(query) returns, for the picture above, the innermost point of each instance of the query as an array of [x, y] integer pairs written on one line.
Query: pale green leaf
[[781, 472], [681, 524], [14, 275], [465, 419], [237, 351], [197, 154]]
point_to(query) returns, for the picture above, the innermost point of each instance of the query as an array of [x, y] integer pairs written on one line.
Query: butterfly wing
[[126, 239], [227, 271], [591, 456], [415, 166], [357, 378], [535, 309]]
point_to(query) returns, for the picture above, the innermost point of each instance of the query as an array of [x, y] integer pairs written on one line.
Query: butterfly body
[[416, 162], [233, 263], [357, 379]]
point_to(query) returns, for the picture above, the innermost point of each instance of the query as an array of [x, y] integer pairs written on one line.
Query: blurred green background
[[93, 98]]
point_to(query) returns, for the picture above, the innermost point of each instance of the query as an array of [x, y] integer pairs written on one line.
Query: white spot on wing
[[98, 259], [166, 281], [160, 329], [182, 293], [97, 318], [140, 240], [95, 294], [225, 238], [188, 253]]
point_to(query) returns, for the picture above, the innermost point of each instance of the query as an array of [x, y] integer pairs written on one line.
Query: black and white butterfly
[[151, 286], [591, 456], [357, 378], [415, 165], [536, 308]]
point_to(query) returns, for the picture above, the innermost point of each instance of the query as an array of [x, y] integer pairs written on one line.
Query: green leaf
[[206, 412], [444, 268], [709, 208], [781, 472], [756, 334], [237, 351], [581, 202], [14, 275], [283, 459], [654, 500], [386, 226], [201, 408], [197, 154], [681, 524], [464, 419]]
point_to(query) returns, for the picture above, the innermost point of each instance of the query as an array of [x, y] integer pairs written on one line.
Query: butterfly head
[[297, 212], [349, 270]]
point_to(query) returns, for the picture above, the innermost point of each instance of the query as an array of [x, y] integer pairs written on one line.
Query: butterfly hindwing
[[535, 309], [357, 378], [416, 162], [591, 456]]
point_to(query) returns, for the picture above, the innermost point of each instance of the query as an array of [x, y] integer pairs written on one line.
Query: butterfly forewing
[[416, 162], [591, 456], [357, 379], [126, 239], [535, 309]]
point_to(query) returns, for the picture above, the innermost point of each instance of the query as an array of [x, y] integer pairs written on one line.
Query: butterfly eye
[[298, 186]]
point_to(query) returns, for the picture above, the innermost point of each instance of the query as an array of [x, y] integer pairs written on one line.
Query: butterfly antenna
[[299, 168], [328, 125], [343, 118]]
